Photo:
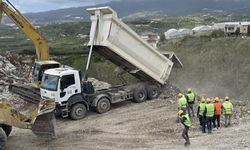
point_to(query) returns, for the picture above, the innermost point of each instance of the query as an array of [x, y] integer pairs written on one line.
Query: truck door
[[68, 87]]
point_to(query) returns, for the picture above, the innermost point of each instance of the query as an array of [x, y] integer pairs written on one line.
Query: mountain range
[[136, 9]]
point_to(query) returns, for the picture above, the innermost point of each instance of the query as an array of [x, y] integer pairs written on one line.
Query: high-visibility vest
[[190, 97], [227, 108], [210, 110], [187, 122], [218, 108], [183, 102], [202, 108]]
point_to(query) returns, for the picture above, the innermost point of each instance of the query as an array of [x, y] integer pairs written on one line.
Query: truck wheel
[[140, 95], [3, 138], [103, 105], [7, 129], [153, 92], [78, 111]]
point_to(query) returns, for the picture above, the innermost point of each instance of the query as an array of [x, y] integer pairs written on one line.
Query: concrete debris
[[10, 73], [99, 84]]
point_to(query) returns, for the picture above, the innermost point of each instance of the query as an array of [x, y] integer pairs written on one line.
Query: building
[[151, 38]]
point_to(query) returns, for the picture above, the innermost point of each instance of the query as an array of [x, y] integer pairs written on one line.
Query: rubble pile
[[169, 91], [241, 111], [99, 84], [10, 73]]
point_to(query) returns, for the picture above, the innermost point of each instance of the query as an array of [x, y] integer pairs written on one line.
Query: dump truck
[[115, 41], [39, 118]]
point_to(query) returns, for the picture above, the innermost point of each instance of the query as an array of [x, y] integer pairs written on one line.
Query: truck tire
[[3, 138], [78, 111], [153, 92], [140, 95], [7, 129], [103, 105]]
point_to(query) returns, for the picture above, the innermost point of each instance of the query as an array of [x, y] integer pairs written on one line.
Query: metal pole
[[90, 51]]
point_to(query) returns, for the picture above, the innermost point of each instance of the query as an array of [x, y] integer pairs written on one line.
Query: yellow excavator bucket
[[37, 117]]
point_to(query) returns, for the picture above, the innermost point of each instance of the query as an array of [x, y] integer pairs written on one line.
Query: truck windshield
[[49, 82]]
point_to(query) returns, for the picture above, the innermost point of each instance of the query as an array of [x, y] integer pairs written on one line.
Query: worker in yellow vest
[[209, 113], [185, 120], [228, 111], [190, 100], [182, 104], [200, 114]]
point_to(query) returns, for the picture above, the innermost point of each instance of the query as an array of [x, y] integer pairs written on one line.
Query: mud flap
[[45, 126], [3, 138]]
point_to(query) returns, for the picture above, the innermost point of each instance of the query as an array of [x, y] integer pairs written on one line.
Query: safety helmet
[[226, 97], [179, 94], [203, 100], [180, 112], [208, 100], [189, 90], [216, 99]]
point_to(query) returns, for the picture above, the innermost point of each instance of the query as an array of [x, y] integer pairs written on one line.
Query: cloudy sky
[[44, 5]]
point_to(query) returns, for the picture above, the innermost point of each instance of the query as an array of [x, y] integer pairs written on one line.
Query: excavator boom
[[42, 50], [30, 93]]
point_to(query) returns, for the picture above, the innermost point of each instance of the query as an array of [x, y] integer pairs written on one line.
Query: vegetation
[[214, 67]]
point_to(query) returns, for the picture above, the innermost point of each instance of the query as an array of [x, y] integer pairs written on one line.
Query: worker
[[218, 106], [190, 100], [228, 111], [209, 112], [187, 123], [200, 114], [182, 105]]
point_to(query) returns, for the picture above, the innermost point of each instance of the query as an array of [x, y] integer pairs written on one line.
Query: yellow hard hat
[[226, 97], [203, 100], [216, 99], [179, 94], [180, 112], [189, 90], [208, 100]]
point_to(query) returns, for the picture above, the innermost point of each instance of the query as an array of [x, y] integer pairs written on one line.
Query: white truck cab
[[61, 84]]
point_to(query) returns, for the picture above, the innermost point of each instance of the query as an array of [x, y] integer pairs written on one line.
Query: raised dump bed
[[121, 45]]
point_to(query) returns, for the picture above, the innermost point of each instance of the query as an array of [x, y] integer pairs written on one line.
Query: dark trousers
[[185, 134], [216, 117], [202, 123], [190, 108], [209, 123]]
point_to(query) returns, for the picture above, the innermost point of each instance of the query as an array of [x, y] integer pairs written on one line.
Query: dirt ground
[[128, 125]]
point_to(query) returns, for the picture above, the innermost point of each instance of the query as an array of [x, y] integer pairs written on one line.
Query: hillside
[[217, 67], [138, 9]]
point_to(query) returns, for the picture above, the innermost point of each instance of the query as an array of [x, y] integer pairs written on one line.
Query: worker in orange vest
[[218, 107]]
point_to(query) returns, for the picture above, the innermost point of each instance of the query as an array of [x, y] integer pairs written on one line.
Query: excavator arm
[[42, 50]]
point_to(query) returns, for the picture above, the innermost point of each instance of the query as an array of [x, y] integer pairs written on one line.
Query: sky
[[26, 6]]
